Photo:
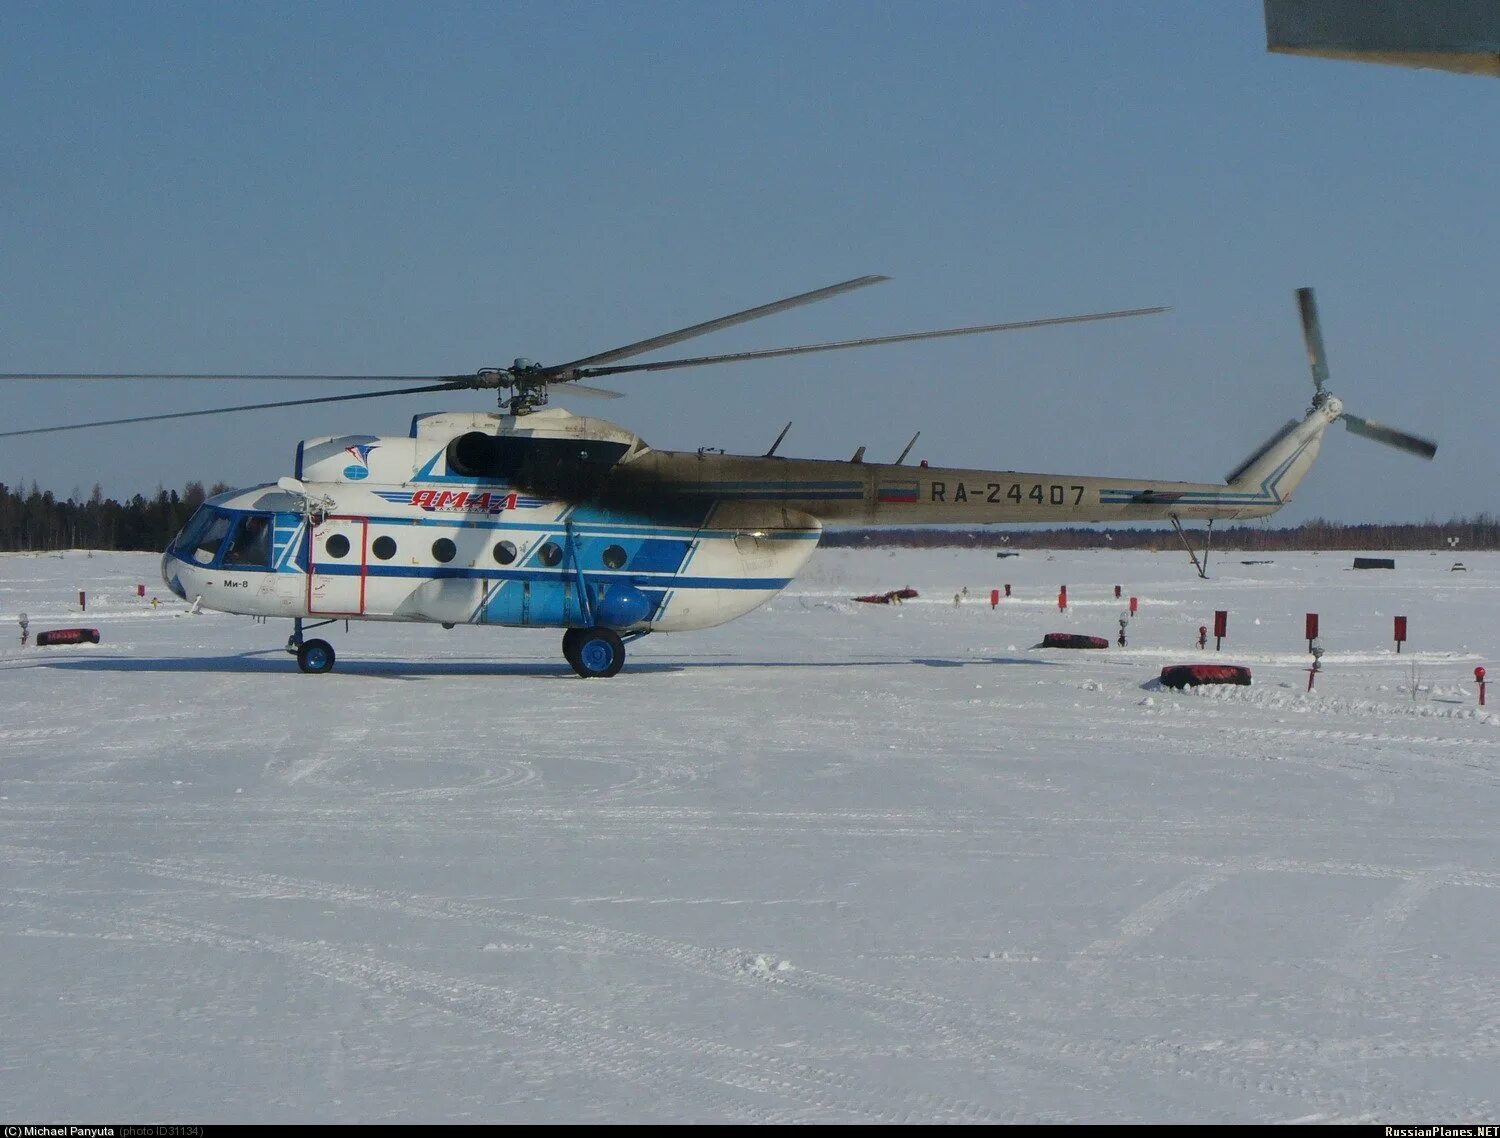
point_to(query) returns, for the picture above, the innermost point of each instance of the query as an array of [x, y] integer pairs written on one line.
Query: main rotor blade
[[1390, 436], [228, 410], [1312, 336], [596, 392], [772, 353], [216, 375], [568, 370]]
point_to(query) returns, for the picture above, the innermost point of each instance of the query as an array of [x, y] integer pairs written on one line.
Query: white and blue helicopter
[[536, 518]]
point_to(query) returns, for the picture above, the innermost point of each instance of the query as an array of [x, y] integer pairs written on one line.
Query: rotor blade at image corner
[[223, 376], [839, 345], [669, 338], [1390, 436], [1312, 336], [230, 410]]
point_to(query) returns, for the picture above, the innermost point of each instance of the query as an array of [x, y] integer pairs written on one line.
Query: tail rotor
[[1312, 337]]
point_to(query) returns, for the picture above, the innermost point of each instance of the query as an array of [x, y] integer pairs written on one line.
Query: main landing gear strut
[[594, 651], [1202, 566], [313, 656]]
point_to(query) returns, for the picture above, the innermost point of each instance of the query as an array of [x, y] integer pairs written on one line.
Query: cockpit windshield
[[217, 537], [188, 538], [205, 548]]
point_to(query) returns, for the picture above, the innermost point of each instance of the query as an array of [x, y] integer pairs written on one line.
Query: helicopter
[[530, 516]]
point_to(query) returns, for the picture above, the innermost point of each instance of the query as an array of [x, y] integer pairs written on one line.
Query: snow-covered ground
[[832, 862]]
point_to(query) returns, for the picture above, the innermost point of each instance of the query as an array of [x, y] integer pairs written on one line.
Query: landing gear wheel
[[315, 657], [595, 652], [570, 646]]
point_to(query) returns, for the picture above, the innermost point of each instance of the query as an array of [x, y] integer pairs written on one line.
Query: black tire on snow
[[598, 653], [315, 657]]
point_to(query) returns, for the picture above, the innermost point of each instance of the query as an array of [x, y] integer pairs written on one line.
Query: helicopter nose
[[169, 575]]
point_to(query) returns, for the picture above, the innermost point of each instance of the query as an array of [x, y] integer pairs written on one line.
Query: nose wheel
[[315, 657], [594, 651]]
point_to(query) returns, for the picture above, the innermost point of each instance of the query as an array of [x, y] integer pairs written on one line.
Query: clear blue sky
[[402, 187]]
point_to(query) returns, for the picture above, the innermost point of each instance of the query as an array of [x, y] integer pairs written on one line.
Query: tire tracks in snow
[[943, 1027], [642, 1054]]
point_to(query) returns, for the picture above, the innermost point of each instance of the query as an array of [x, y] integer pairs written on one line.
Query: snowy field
[[832, 862]]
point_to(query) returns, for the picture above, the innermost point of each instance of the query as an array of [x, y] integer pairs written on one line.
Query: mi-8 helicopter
[[534, 517]]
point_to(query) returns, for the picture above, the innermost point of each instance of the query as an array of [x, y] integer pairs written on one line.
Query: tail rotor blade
[[1390, 436], [1312, 336]]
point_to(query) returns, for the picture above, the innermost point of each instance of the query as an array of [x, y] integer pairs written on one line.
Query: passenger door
[[338, 565]]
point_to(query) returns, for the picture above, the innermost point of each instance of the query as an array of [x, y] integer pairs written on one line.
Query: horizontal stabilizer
[[1260, 452]]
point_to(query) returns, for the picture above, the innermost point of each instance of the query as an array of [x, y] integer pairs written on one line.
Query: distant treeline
[[1480, 532], [34, 519]]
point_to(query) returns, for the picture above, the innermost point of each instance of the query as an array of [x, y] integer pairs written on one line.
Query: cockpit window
[[206, 547], [250, 547], [191, 532]]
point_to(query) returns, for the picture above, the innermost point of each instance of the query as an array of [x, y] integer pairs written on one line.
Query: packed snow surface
[[832, 862]]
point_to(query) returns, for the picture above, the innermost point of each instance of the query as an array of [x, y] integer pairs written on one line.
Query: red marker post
[[1400, 633], [1134, 604], [994, 598], [83, 601], [140, 590], [1221, 628], [1479, 679], [1062, 599], [1311, 629]]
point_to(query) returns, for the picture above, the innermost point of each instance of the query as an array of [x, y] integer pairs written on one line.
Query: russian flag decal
[[898, 492]]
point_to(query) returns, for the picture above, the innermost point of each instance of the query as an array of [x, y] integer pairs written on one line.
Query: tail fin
[[1273, 471]]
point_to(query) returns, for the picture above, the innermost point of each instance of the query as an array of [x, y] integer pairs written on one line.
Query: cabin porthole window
[[444, 550], [384, 547], [614, 557], [550, 554], [505, 552], [336, 546]]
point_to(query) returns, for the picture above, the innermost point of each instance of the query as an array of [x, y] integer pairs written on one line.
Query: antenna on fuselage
[[772, 452], [909, 445]]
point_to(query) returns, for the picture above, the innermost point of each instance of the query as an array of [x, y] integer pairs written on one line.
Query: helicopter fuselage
[[559, 521]]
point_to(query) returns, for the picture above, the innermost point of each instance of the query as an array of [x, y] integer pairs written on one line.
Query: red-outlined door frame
[[313, 537]]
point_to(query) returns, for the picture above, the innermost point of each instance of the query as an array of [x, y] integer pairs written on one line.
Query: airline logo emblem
[[359, 469], [454, 501]]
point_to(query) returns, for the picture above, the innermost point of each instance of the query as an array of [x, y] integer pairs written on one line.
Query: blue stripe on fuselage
[[626, 576]]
